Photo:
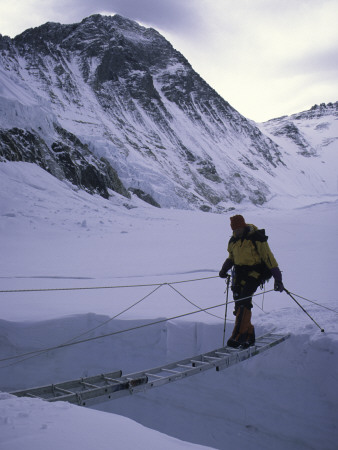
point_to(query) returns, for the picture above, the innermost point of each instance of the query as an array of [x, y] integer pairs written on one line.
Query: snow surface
[[54, 236]]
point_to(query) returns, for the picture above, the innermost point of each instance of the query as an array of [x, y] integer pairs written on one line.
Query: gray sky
[[267, 58]]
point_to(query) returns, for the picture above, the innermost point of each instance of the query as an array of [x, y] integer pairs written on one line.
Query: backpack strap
[[260, 236], [257, 236]]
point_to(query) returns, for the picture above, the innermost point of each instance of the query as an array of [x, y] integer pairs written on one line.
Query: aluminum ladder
[[105, 387]]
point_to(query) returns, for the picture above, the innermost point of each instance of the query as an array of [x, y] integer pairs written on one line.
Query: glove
[[279, 286], [277, 274], [226, 266]]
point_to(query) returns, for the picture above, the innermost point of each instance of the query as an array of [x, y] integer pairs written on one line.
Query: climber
[[254, 264]]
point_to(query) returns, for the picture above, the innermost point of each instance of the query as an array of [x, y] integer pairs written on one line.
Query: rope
[[136, 303], [311, 301], [263, 299], [157, 286], [259, 307], [114, 317], [69, 344], [117, 315], [192, 303], [304, 310], [228, 278], [105, 287], [92, 329]]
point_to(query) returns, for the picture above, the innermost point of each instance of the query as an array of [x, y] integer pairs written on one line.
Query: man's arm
[[228, 263], [269, 259]]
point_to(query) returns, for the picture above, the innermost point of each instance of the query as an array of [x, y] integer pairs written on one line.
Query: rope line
[[192, 303], [117, 315], [304, 310], [311, 301], [36, 352], [112, 318], [88, 331], [259, 307], [157, 286], [105, 287], [71, 343]]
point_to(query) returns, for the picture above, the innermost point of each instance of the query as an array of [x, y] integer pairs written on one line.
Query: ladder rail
[[67, 385]]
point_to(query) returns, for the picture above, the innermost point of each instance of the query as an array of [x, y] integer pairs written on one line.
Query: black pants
[[243, 332], [244, 288]]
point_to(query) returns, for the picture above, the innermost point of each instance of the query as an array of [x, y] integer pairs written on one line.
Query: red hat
[[237, 222]]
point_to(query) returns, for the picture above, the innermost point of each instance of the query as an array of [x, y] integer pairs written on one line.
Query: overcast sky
[[267, 58]]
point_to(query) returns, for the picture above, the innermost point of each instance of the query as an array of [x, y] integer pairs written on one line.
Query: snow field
[[54, 237], [34, 424]]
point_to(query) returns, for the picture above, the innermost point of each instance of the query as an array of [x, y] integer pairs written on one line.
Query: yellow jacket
[[251, 249]]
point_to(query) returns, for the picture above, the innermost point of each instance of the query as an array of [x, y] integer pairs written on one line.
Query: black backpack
[[260, 236], [262, 268]]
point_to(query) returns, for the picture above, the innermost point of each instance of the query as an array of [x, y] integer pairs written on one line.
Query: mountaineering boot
[[244, 332], [250, 340], [232, 343]]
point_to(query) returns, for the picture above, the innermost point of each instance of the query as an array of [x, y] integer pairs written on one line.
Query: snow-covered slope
[[310, 140], [52, 236], [111, 105], [33, 424]]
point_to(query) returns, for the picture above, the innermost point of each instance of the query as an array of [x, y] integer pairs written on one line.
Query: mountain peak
[[130, 29], [325, 109], [110, 104], [111, 19]]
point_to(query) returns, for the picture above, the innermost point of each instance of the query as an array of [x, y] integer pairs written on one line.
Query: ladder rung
[[93, 386], [223, 353], [231, 350], [170, 371], [215, 358], [184, 366], [112, 380], [198, 362], [55, 388], [153, 375]]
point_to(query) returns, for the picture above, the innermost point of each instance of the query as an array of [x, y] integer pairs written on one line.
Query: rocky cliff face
[[66, 158], [112, 106]]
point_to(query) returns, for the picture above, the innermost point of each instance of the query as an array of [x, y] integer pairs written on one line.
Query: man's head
[[237, 224]]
